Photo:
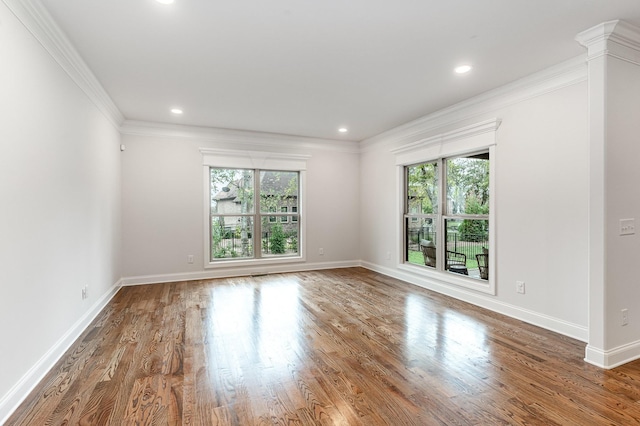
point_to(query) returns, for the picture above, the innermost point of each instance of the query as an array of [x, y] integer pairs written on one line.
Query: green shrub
[[474, 230], [278, 239], [293, 243]]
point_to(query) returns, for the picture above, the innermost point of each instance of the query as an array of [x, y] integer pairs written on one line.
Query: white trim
[[236, 272], [242, 139], [565, 74], [614, 357], [263, 160], [461, 141], [258, 160], [556, 325], [621, 41], [17, 394], [617, 39], [41, 25], [254, 262], [447, 278], [466, 134], [465, 140], [621, 33]]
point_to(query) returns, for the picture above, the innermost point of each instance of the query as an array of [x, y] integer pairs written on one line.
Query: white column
[[614, 174]]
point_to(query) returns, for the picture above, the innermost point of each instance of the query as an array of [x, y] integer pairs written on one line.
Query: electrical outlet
[[321, 251], [627, 226], [190, 258], [388, 255], [625, 316], [520, 287], [84, 292]]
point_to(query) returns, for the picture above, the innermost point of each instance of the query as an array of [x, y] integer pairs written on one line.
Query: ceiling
[[308, 67]]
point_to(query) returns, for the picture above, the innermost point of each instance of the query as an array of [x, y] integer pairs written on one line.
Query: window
[[422, 208], [446, 215], [446, 197], [242, 221]]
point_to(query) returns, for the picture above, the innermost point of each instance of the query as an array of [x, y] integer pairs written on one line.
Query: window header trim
[[262, 160], [461, 141]]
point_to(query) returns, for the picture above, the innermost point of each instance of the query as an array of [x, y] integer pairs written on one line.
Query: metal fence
[[232, 245], [470, 246]]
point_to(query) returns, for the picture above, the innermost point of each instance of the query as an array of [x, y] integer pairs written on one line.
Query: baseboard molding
[[488, 302], [17, 394], [550, 323], [239, 272], [614, 357], [603, 359]]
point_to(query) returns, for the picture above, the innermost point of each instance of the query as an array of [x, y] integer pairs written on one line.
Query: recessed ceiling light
[[463, 69], [343, 130], [176, 111], [165, 1]]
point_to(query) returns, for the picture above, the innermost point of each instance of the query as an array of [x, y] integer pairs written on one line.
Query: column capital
[[613, 38]]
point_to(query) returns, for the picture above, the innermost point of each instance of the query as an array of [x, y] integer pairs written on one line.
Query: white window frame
[[466, 140], [284, 218], [256, 160], [272, 219]]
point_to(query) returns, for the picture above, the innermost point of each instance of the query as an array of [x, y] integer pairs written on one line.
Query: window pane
[[467, 247], [422, 189], [279, 239], [278, 189], [231, 191], [420, 242], [468, 185], [231, 237]]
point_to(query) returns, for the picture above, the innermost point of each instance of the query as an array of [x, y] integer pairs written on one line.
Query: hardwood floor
[[338, 347]]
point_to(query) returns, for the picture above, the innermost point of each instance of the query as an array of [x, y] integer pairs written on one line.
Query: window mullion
[[257, 234], [442, 209]]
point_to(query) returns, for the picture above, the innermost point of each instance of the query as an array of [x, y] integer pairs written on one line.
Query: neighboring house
[[276, 195], [228, 202]]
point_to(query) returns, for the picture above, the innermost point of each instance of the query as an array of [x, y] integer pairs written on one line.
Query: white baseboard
[[239, 272], [26, 384], [550, 323], [614, 357], [488, 302], [17, 394]]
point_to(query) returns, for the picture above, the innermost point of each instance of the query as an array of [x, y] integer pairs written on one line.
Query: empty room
[[341, 213]]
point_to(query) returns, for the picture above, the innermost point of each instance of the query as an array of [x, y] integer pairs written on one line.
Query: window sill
[[254, 262], [450, 279]]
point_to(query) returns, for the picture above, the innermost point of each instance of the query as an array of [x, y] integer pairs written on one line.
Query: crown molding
[[235, 139], [565, 74], [37, 20], [618, 39]]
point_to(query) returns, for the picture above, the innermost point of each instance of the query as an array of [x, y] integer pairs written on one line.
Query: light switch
[[627, 226]]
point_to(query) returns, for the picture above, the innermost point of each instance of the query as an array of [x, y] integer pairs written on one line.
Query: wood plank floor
[[338, 347]]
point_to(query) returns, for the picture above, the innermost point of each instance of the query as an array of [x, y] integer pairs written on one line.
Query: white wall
[[541, 194], [622, 201], [60, 209], [163, 201]]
